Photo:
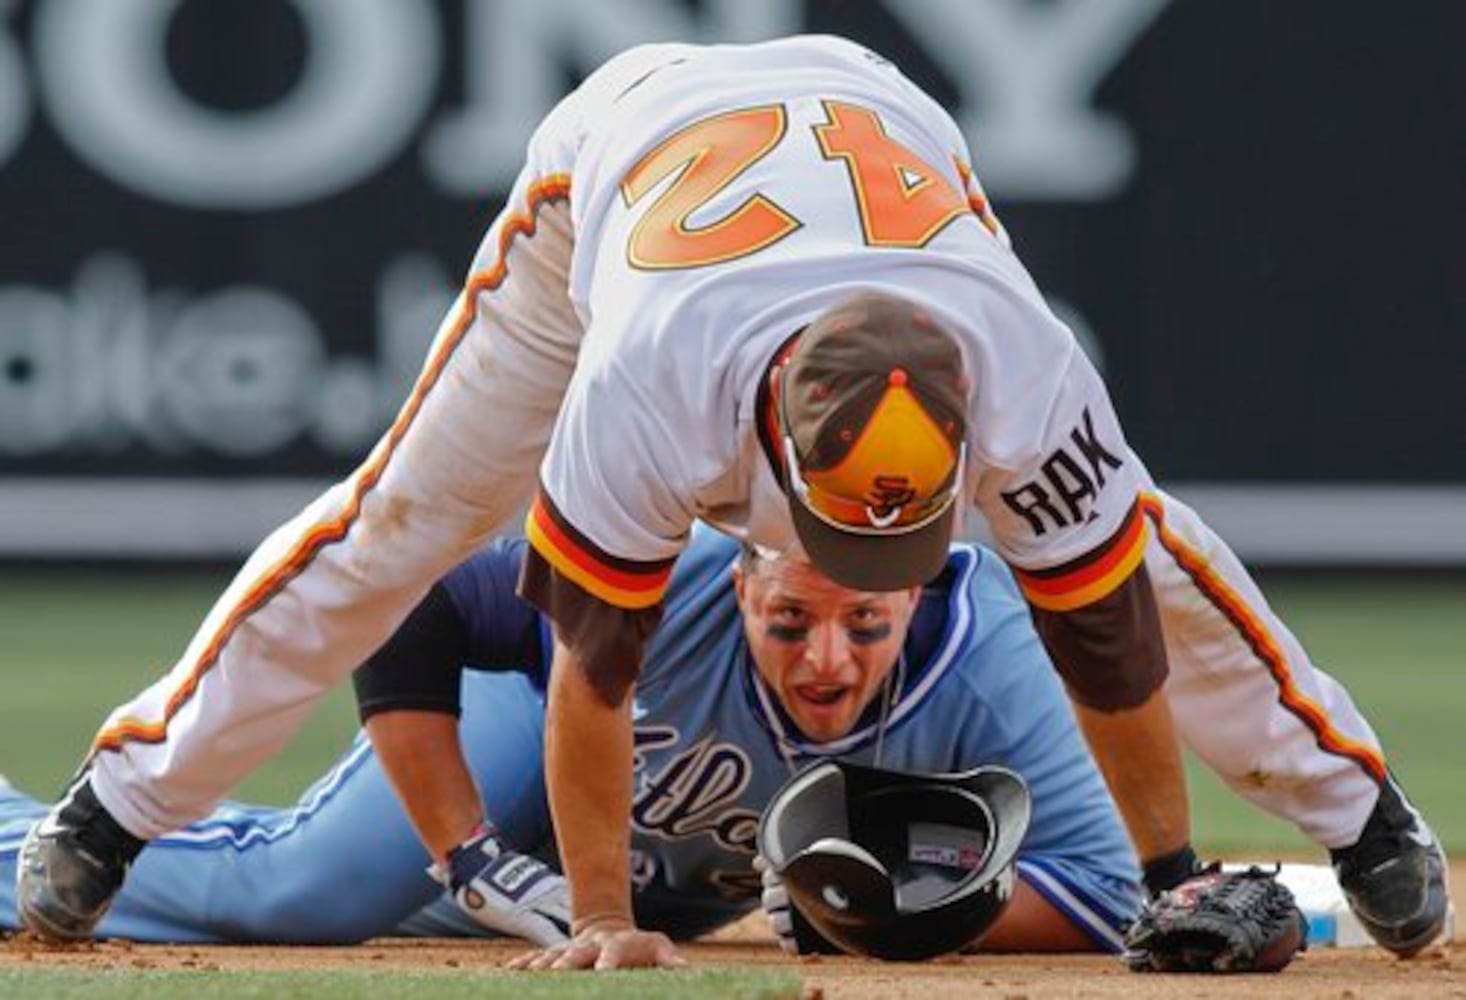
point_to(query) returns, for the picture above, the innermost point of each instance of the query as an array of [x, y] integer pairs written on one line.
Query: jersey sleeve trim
[[976, 200], [513, 226], [622, 583], [1094, 575], [1100, 923]]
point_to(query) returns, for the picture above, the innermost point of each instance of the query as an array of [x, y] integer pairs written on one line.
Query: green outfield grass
[[1399, 645], [339, 984], [73, 644]]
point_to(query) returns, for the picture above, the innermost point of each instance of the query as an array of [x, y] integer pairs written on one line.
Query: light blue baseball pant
[[341, 865]]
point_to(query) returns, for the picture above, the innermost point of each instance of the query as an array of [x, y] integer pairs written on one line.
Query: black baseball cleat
[[1394, 877], [71, 865]]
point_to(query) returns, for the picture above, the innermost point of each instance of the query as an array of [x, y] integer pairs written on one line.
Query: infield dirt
[[1339, 974]]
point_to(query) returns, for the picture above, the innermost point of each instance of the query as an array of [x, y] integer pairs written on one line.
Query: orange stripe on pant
[[1255, 633], [555, 187]]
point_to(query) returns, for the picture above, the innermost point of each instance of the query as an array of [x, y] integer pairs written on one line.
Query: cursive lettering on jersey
[[695, 792]]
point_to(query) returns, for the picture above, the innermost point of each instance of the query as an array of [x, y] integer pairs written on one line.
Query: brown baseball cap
[[872, 414]]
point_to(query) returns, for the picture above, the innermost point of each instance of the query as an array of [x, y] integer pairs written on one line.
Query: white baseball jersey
[[723, 198]]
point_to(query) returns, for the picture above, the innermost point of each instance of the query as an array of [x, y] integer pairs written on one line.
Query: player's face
[[823, 649]]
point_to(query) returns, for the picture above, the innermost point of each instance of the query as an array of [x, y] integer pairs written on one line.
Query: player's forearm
[[421, 754], [1112, 657], [1137, 752], [1032, 923], [588, 748]]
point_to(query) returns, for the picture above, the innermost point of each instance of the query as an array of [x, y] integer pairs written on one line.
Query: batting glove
[[507, 892], [797, 936], [776, 905]]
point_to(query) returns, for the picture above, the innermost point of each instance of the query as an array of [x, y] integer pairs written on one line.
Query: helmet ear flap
[[897, 865], [840, 881]]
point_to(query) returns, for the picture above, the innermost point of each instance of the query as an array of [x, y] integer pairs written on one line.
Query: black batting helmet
[[897, 865]]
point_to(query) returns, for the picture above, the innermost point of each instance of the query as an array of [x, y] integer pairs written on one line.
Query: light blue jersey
[[712, 746]]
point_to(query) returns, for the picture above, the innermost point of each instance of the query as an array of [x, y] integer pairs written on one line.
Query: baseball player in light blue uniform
[[713, 742]]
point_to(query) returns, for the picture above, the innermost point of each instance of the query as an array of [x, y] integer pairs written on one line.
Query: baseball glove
[[1215, 921]]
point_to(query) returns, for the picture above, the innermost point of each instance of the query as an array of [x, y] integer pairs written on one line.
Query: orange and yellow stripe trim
[[1076, 584], [632, 586], [555, 187], [975, 199], [1264, 645]]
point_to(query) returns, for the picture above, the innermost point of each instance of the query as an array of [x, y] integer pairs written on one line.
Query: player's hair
[[753, 557], [750, 559]]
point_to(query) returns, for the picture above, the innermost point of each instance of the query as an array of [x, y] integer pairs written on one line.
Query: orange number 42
[[902, 200]]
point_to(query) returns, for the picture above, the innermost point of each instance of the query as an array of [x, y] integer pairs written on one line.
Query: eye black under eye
[[787, 633], [870, 634]]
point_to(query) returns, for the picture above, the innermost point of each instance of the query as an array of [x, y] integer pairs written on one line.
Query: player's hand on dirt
[[507, 892], [775, 901], [612, 944]]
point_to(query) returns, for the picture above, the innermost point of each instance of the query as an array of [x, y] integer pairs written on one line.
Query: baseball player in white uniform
[[759, 286]]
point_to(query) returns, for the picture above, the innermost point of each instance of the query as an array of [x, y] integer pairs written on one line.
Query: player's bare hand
[[600, 947]]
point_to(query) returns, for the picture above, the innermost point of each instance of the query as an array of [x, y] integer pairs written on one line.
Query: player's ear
[[740, 581]]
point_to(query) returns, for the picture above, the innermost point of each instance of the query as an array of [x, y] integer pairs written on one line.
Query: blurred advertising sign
[[231, 229]]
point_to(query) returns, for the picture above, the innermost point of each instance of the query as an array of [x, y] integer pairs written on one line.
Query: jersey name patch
[[1068, 484]]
